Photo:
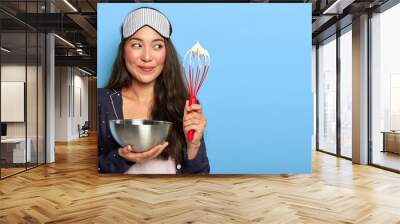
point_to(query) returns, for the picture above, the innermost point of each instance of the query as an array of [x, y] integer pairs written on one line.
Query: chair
[[84, 130]]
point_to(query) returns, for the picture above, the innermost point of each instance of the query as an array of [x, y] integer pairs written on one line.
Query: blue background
[[257, 96]]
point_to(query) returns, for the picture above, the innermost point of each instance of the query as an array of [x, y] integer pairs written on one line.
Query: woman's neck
[[141, 93]]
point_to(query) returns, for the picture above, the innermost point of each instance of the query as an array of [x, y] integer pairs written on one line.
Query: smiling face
[[144, 54]]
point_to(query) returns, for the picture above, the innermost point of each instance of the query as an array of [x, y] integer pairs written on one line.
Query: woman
[[147, 83]]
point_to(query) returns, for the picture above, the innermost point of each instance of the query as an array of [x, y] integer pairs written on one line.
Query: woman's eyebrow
[[159, 39], [135, 38], [138, 39]]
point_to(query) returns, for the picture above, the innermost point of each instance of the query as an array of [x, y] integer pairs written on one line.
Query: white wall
[[71, 93], [80, 89], [61, 103], [14, 73], [34, 125], [17, 73]]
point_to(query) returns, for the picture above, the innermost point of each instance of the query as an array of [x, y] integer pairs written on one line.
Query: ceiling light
[[5, 50], [70, 5], [338, 6], [84, 71], [65, 41]]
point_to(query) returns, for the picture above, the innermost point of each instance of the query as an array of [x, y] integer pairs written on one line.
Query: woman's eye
[[158, 46], [135, 45]]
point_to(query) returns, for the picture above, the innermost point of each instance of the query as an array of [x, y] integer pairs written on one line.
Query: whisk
[[196, 63]]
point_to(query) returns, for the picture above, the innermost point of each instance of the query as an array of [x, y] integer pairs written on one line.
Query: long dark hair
[[170, 93]]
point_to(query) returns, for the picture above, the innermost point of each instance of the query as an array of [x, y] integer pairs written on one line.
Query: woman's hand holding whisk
[[194, 119]]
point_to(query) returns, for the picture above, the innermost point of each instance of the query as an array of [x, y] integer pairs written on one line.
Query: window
[[327, 95], [346, 92], [385, 88]]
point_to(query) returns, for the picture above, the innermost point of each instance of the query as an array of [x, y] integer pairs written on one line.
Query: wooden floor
[[387, 159], [5, 172], [71, 191]]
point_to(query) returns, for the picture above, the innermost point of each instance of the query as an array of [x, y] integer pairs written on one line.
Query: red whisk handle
[[190, 133], [192, 100]]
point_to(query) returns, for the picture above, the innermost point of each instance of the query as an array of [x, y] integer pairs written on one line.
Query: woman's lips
[[146, 69]]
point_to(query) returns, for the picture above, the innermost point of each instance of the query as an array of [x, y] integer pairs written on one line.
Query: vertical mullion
[[369, 90], [47, 5], [69, 91], [317, 96], [338, 80], [73, 92], [0, 94], [60, 92], [26, 86], [37, 89]]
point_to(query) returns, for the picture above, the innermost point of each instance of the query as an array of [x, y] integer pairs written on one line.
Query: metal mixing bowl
[[141, 134]]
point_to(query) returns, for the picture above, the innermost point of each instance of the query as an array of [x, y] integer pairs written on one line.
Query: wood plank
[[71, 191]]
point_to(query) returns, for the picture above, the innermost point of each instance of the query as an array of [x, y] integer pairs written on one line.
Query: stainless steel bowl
[[141, 134]]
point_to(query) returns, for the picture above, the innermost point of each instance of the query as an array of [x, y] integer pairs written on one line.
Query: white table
[[18, 144]]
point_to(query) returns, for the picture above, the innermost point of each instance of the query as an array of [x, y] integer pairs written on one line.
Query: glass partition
[[22, 89], [13, 95]]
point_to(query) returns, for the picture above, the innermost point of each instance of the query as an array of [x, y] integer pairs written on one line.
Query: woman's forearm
[[193, 150]]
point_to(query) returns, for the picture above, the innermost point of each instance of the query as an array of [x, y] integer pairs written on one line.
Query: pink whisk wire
[[195, 81], [203, 77]]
